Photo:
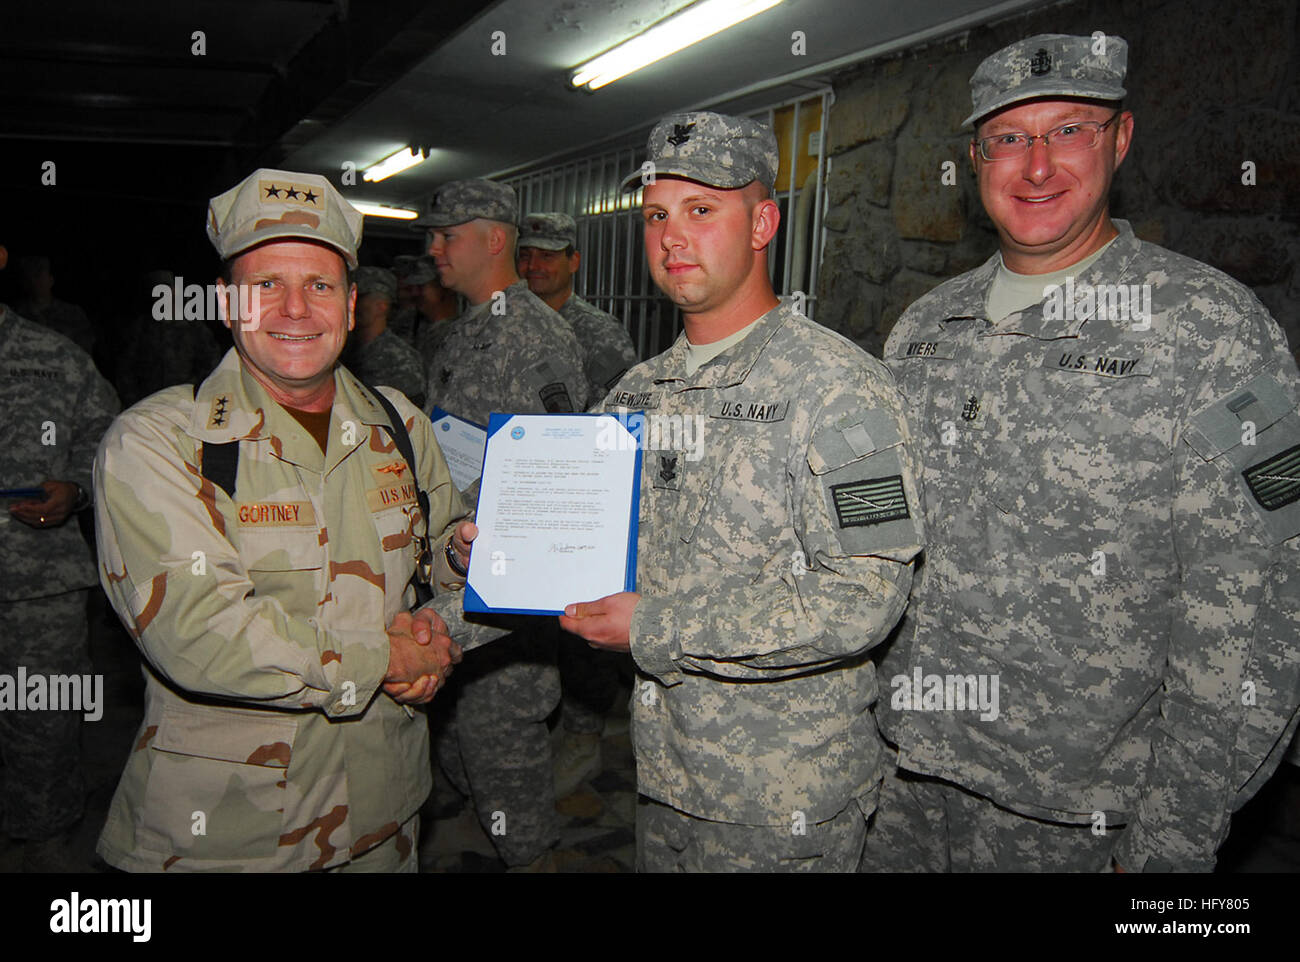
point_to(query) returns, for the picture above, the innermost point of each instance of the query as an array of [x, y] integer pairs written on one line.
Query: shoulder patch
[[870, 501], [1275, 482]]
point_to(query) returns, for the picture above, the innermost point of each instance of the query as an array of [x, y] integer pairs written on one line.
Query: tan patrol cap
[[280, 204]]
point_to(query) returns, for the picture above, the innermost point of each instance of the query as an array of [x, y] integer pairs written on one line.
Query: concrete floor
[[597, 821]]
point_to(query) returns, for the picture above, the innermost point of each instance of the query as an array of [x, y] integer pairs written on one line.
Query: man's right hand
[[420, 658]]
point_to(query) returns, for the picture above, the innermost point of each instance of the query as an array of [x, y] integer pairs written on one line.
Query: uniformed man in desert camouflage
[[280, 728]]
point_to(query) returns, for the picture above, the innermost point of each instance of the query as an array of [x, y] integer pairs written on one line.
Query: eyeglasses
[[1078, 135]]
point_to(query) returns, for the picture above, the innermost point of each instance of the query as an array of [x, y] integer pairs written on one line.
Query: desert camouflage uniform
[[607, 349], [45, 379], [766, 570], [266, 652], [1112, 517], [490, 736], [388, 360]]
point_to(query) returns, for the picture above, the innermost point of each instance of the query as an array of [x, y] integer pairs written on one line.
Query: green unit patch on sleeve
[[1275, 483], [871, 501]]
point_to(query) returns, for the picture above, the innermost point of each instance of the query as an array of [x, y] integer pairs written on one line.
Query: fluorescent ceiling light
[[379, 210], [677, 32], [404, 159]]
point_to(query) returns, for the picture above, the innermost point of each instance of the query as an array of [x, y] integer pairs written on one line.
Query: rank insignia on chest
[[971, 409], [669, 475], [219, 415]]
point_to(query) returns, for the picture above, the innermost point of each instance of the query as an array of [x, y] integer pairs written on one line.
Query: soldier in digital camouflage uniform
[[1111, 498], [279, 728], [772, 556], [548, 259], [56, 408], [374, 353], [508, 352], [428, 308]]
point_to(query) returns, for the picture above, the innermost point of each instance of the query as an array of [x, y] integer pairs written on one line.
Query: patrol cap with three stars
[[1050, 64], [548, 232], [279, 204], [712, 149], [375, 280], [461, 201]]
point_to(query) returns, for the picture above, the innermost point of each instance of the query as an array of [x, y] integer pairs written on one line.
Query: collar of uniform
[[1107, 269], [232, 405], [731, 367]]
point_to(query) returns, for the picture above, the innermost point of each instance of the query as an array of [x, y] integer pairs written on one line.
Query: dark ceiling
[[119, 120]]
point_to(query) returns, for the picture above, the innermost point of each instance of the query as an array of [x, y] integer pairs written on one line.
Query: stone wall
[[1212, 84]]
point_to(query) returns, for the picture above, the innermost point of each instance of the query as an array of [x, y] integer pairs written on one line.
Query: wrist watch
[[83, 499], [453, 560]]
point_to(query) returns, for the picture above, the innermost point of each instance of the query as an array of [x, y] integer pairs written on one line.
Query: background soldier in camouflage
[[769, 565], [157, 353], [374, 353], [56, 408], [548, 259], [40, 305], [510, 353], [426, 306], [278, 729], [1111, 497]]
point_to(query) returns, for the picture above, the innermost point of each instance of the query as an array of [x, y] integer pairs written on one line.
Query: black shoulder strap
[[221, 467], [220, 463], [402, 438]]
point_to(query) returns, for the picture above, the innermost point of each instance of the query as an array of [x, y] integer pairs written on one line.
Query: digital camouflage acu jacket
[[775, 548], [1112, 500]]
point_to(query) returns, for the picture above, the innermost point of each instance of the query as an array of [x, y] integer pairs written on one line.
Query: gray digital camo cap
[[548, 232], [375, 280], [464, 200], [712, 149], [1051, 64], [279, 204]]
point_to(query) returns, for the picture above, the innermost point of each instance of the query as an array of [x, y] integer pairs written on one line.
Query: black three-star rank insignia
[[273, 191], [217, 416], [309, 197], [681, 133]]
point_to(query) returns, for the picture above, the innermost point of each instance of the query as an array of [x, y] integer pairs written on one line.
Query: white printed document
[[557, 513], [462, 446]]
